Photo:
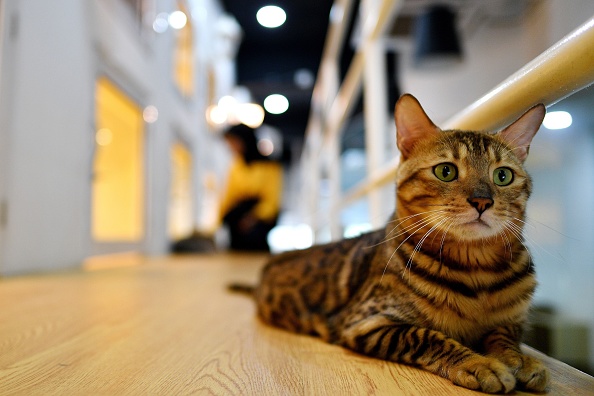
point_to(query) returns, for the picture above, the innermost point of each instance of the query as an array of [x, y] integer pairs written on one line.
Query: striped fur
[[444, 286]]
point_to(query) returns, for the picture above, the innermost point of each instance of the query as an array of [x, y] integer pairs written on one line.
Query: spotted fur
[[447, 285]]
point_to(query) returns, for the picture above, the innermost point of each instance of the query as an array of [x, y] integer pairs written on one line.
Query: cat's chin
[[477, 229]]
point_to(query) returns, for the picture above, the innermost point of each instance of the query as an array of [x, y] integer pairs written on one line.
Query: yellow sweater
[[262, 180]]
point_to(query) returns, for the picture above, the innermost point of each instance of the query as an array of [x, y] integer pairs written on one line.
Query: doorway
[[118, 187]]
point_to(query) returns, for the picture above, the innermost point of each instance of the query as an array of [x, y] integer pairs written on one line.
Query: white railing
[[563, 69], [332, 104]]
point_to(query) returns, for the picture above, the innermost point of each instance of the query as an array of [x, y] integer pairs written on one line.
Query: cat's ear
[[412, 124], [519, 135]]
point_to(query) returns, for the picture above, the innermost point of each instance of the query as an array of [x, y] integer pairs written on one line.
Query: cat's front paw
[[483, 373], [530, 373]]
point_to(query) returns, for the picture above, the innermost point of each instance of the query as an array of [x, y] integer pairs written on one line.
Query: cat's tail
[[242, 288]]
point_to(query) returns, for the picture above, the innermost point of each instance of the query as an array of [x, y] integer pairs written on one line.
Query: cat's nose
[[480, 203]]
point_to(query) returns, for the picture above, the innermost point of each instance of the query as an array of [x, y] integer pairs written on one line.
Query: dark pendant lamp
[[436, 40]]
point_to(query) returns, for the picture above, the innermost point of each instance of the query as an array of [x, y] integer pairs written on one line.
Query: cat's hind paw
[[484, 374]]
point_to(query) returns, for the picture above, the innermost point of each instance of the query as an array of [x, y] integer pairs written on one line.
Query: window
[[184, 57]]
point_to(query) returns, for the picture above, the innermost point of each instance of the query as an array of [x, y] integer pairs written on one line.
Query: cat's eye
[[503, 176], [446, 172]]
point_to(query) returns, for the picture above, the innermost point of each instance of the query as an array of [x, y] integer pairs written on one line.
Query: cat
[[447, 285]]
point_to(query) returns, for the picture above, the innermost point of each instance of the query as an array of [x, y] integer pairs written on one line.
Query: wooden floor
[[168, 327]]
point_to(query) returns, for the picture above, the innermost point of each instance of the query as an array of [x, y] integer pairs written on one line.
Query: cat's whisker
[[530, 220], [403, 219], [435, 236], [526, 240], [427, 219], [513, 229], [405, 230], [397, 227], [517, 232], [398, 247], [511, 218], [414, 215], [426, 222], [537, 246], [443, 238], [419, 245], [524, 222], [552, 229], [516, 228], [388, 264], [507, 244]]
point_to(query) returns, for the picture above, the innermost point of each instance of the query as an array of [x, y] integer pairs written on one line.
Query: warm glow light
[[216, 115], [150, 114], [271, 16], [276, 104], [265, 147], [177, 19], [227, 103], [557, 120], [250, 114], [232, 111], [104, 137]]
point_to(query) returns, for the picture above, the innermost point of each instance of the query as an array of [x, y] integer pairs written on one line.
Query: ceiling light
[[150, 114], [250, 114], [557, 120], [304, 78], [177, 19], [160, 24], [103, 137], [276, 104], [271, 16]]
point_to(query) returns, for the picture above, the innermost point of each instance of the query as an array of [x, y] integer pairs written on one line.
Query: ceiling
[[268, 59]]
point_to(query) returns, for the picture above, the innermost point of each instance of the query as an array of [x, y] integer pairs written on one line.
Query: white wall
[[492, 53], [561, 223], [46, 115], [50, 62]]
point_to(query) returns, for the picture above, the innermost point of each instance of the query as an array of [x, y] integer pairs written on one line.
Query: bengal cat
[[447, 285]]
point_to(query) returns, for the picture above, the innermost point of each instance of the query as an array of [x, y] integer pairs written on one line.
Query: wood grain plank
[[169, 327]]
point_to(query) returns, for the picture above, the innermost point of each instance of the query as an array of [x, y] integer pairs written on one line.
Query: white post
[[310, 177], [375, 105], [334, 179]]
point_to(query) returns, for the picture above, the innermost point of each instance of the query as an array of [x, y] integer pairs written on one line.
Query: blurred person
[[251, 202]]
